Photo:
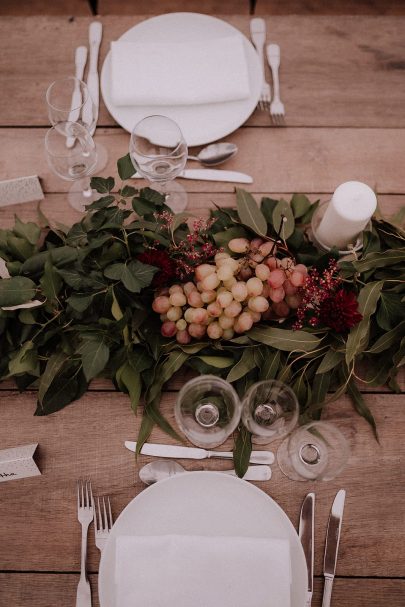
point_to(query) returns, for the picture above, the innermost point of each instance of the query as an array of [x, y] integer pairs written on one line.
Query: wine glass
[[270, 411], [207, 410], [64, 93], [316, 451], [159, 153], [74, 163]]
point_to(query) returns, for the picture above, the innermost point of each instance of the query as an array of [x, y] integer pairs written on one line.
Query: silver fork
[[258, 35], [276, 107], [103, 521], [85, 516]]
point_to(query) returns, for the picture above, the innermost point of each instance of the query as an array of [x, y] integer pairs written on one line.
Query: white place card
[[18, 463], [22, 189]]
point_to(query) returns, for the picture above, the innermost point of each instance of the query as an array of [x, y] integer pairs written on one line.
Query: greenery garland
[[87, 307]]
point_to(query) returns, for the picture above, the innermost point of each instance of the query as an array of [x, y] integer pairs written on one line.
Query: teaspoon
[[157, 471], [215, 153]]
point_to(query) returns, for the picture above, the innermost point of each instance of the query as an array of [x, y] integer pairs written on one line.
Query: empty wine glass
[[270, 411], [207, 410], [74, 163], [159, 153], [316, 451], [69, 100]]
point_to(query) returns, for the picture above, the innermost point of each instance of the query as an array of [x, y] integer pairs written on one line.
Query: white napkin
[[182, 73], [185, 571]]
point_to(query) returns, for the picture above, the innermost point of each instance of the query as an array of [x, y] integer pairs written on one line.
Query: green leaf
[[51, 283], [62, 391], [19, 247], [267, 207], [376, 260], [165, 371], [139, 359], [320, 387], [79, 301], [390, 310], [330, 361], [125, 167], [134, 275], [128, 191], [245, 364], [15, 291], [284, 218], [388, 339], [94, 353], [249, 213], [144, 432], [360, 405], [220, 362], [358, 337], [306, 218], [102, 185], [267, 361], [30, 231], [101, 203], [284, 339], [25, 360], [54, 366], [242, 451], [300, 205], [132, 382]]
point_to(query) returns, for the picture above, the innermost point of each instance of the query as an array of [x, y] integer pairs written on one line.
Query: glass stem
[[87, 192]]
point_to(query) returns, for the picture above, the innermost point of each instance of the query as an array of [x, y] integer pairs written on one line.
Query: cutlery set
[[275, 106], [306, 535]]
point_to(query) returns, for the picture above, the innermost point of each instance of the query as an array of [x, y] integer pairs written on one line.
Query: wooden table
[[343, 86]]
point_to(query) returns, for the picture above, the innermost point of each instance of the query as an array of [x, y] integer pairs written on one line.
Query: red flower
[[340, 311], [159, 259]]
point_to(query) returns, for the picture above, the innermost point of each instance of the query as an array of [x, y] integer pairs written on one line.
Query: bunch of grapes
[[231, 295]]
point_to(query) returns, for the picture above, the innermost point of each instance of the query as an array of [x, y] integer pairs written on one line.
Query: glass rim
[[53, 129], [68, 107], [153, 156], [276, 383]]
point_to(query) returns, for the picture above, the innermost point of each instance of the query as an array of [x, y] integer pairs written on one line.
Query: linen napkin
[[182, 73], [184, 571]]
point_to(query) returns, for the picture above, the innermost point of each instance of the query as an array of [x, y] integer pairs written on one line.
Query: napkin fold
[[181, 570], [182, 73]]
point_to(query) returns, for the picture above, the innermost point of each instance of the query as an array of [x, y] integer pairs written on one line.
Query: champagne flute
[[69, 100], [74, 163], [159, 152]]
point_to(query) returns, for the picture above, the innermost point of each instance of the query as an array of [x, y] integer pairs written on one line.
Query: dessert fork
[[85, 516], [258, 35], [276, 107], [103, 521]]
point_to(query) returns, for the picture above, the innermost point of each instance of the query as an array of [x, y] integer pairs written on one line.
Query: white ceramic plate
[[203, 503], [200, 124]]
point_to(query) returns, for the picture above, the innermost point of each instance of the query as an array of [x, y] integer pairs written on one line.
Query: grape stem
[[278, 235]]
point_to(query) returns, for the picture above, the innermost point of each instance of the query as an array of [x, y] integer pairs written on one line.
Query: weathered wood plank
[[329, 7], [357, 79], [305, 160], [157, 7], [34, 590], [28, 8], [86, 440]]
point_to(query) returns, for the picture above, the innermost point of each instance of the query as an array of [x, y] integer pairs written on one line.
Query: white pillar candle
[[347, 214]]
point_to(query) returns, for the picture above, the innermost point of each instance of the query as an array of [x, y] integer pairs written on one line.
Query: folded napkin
[[185, 571], [181, 73]]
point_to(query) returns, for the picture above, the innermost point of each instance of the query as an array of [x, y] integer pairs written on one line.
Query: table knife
[[80, 63], [306, 534], [210, 175], [332, 545], [95, 33], [256, 457]]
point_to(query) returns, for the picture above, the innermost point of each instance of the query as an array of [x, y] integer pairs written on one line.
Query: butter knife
[[80, 63], [210, 175], [306, 534], [95, 33], [173, 451], [332, 545]]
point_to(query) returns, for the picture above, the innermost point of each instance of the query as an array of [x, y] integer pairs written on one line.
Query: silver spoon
[[160, 469], [215, 153]]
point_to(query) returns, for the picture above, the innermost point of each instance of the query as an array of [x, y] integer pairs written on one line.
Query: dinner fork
[[276, 107], [85, 516], [103, 521], [258, 35]]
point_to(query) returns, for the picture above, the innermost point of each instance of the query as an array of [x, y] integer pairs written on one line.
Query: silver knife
[[95, 33], [210, 175], [256, 457], [332, 545], [306, 533]]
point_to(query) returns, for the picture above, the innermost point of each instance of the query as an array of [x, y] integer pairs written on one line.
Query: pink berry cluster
[[231, 294]]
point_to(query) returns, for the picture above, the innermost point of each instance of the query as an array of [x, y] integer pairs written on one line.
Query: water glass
[[159, 152], [316, 451], [73, 163], [270, 411], [207, 410]]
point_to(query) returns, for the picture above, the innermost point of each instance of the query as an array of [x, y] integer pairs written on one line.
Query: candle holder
[[313, 235]]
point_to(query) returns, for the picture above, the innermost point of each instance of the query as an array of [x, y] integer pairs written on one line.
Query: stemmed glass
[[60, 96], [73, 163], [270, 411], [316, 451], [159, 152], [207, 410]]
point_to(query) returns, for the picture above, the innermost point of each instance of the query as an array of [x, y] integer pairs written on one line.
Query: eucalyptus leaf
[[267, 361], [242, 451], [94, 353], [16, 290], [300, 205], [330, 361], [245, 364], [371, 261], [283, 219], [284, 339], [358, 337], [53, 368], [388, 339], [249, 213]]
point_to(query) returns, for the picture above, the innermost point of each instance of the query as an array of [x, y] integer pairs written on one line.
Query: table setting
[[199, 345]]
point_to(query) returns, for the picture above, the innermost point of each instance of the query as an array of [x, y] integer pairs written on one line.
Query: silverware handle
[[327, 591], [220, 454], [83, 552]]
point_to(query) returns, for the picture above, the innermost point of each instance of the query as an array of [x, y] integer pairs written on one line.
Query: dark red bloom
[[340, 311], [161, 260]]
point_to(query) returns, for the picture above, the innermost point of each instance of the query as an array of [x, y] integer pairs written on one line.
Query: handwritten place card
[[18, 463]]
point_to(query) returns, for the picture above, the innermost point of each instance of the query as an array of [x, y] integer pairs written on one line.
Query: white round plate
[[200, 124], [203, 503]]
